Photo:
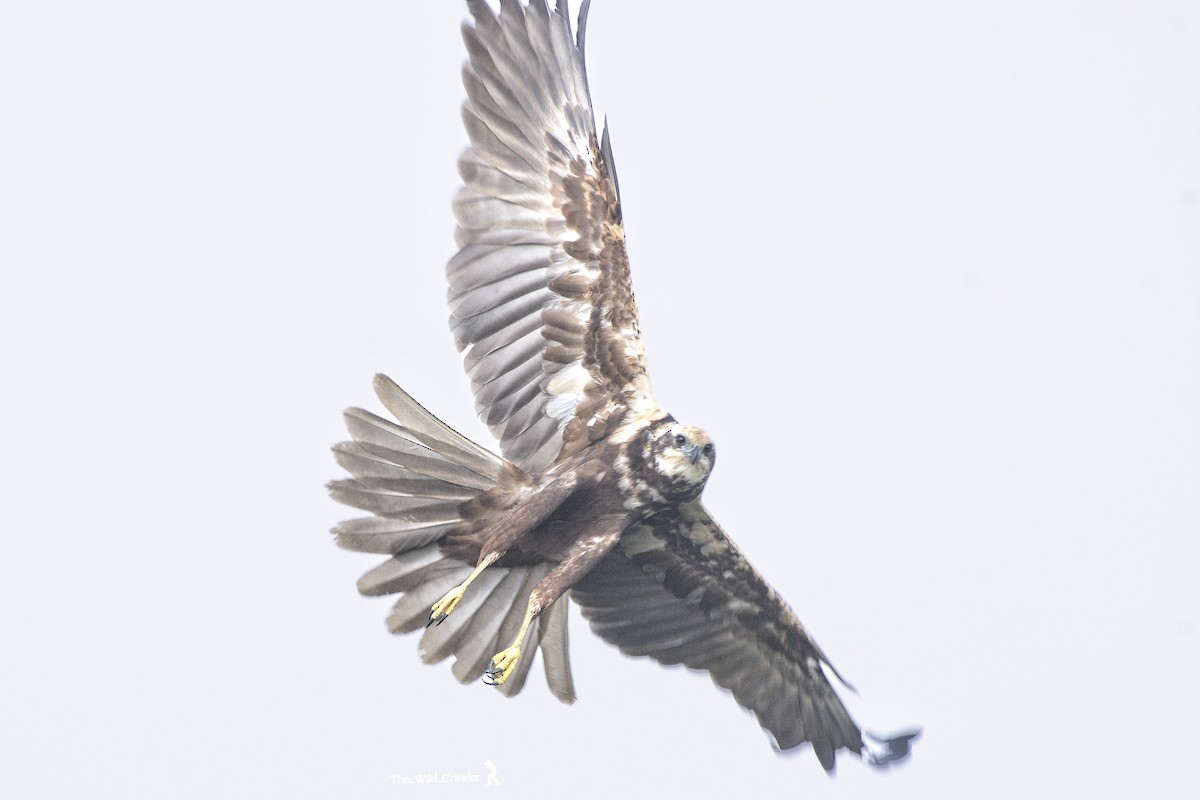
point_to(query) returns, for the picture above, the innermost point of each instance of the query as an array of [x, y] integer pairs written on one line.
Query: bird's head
[[683, 457]]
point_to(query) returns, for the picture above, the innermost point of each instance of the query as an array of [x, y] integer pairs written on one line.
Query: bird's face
[[683, 456]]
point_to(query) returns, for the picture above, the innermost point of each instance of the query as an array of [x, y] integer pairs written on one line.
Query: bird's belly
[[586, 516]]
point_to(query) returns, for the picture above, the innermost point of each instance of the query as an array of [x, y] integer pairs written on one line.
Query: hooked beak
[[694, 453]]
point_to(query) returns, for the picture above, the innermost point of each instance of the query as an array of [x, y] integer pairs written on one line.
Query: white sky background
[[928, 272]]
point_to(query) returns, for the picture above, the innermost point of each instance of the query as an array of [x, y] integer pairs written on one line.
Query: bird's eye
[[707, 450], [680, 440]]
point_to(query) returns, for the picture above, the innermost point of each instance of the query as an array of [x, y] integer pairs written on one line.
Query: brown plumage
[[597, 493]]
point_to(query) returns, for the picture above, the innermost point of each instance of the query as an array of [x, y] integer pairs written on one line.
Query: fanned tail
[[412, 475]]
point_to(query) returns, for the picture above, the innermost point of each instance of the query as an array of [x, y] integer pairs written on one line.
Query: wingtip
[[581, 25], [888, 750], [388, 391], [477, 7], [826, 753]]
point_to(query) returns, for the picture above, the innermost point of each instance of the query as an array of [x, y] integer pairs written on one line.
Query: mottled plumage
[[597, 492]]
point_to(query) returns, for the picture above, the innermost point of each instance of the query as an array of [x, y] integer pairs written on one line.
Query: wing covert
[[540, 295]]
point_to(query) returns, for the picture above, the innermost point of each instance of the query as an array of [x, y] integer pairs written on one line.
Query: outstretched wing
[[677, 589], [540, 295]]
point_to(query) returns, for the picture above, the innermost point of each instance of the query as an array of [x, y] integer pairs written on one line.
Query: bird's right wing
[[678, 590]]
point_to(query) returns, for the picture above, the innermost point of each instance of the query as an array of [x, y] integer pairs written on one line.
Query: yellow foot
[[503, 663], [442, 608]]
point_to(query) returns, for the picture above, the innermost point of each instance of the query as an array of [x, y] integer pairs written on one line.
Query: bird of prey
[[596, 496]]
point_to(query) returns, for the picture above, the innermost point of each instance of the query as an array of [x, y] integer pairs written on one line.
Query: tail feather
[[387, 440], [510, 627], [554, 653], [403, 572], [387, 503], [414, 475], [388, 535], [379, 469], [431, 431], [482, 639], [411, 611], [440, 641]]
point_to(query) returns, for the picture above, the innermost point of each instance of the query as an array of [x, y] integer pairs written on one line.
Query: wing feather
[[480, 325], [677, 589], [518, 351], [540, 290], [479, 265], [516, 389]]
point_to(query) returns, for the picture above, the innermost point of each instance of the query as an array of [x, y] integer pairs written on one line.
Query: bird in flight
[[596, 496]]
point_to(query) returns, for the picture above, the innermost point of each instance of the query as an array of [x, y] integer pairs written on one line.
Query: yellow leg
[[442, 608], [504, 662]]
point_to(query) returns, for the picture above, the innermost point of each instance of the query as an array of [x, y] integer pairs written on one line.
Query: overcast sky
[[929, 273]]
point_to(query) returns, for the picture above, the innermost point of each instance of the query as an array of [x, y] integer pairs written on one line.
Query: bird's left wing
[[678, 590], [540, 295]]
